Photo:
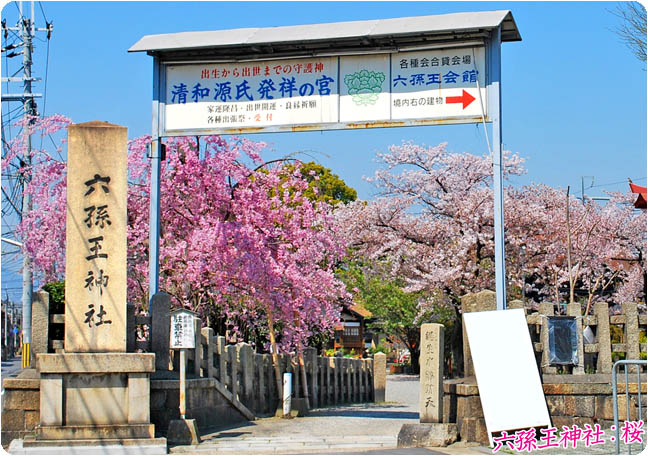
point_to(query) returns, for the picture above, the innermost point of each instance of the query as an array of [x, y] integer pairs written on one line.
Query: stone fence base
[[207, 402], [571, 399], [20, 406]]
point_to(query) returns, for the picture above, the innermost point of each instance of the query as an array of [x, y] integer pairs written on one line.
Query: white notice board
[[510, 388], [182, 329]]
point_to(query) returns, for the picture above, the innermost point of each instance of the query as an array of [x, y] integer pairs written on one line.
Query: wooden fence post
[[269, 373], [294, 370], [335, 380], [356, 379], [310, 358]]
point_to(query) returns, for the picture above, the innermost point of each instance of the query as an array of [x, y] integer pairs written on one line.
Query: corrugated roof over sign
[[377, 34]]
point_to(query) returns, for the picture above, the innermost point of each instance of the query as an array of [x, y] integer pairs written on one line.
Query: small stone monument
[[431, 431], [96, 394]]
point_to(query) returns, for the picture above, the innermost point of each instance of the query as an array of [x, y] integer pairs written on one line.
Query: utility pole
[[583, 186], [27, 30]]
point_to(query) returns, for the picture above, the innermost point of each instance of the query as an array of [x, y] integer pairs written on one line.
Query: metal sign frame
[[494, 116]]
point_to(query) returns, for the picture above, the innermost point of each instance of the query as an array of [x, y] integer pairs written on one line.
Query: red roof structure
[[641, 199]]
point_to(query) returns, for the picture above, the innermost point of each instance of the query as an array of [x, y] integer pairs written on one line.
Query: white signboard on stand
[[509, 384], [183, 334]]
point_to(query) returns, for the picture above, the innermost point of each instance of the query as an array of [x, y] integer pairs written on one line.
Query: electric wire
[[619, 182]]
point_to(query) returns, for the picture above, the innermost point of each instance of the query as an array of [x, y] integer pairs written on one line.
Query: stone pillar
[[379, 376], [95, 390], [475, 302], [40, 324], [222, 369], [95, 273], [160, 312], [261, 372], [208, 341], [198, 351], [431, 360], [631, 333], [574, 310], [246, 355], [604, 360], [515, 304], [233, 360], [546, 309]]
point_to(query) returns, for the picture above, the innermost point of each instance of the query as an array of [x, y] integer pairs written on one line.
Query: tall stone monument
[[95, 393], [95, 268], [431, 431], [431, 381]]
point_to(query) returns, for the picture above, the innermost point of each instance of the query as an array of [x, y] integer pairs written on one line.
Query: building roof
[[641, 198], [384, 35], [361, 310]]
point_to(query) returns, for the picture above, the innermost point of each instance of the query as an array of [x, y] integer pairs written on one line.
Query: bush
[[380, 348], [56, 292]]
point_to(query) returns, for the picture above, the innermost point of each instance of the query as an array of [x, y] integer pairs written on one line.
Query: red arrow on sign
[[465, 98]]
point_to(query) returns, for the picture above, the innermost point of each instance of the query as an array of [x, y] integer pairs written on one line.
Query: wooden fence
[[249, 376]]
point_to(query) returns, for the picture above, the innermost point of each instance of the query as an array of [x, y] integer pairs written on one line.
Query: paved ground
[[609, 447], [352, 429], [11, 367]]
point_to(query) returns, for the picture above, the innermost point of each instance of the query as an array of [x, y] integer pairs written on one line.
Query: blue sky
[[573, 96]]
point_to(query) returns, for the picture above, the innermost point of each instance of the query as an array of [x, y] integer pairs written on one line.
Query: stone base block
[[183, 432], [427, 435], [293, 413], [474, 430], [30, 446], [106, 432], [300, 406]]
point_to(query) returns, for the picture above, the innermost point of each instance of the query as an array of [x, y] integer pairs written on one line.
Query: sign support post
[[183, 383], [154, 214], [495, 104], [182, 337]]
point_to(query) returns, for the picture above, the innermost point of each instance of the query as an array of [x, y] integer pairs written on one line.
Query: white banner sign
[[330, 92]]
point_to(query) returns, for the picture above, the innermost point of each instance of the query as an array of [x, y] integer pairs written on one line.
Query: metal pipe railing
[[625, 363]]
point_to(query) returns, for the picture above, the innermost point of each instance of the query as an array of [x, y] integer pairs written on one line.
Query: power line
[[637, 179]]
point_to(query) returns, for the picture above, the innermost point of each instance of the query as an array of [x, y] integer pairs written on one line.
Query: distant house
[[351, 333]]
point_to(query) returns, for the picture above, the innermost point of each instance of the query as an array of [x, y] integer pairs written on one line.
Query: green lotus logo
[[365, 86]]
